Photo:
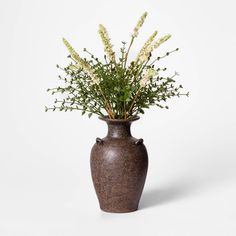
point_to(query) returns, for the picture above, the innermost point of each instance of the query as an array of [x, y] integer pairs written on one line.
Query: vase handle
[[139, 142], [99, 141]]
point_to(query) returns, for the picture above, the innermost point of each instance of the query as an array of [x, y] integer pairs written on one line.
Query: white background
[[45, 183]]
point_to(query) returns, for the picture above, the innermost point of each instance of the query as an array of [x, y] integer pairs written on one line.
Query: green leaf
[[141, 111]]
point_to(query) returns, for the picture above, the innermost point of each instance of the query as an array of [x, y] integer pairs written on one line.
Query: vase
[[119, 164]]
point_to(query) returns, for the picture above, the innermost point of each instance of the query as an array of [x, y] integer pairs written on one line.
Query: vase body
[[119, 165]]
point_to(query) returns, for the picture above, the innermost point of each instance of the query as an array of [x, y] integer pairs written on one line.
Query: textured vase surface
[[119, 165]]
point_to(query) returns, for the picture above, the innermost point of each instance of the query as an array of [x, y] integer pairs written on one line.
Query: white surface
[[45, 184]]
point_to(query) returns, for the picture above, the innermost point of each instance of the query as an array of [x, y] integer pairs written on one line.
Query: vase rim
[[107, 119]]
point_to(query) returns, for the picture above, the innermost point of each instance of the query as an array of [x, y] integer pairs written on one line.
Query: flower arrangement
[[111, 86]]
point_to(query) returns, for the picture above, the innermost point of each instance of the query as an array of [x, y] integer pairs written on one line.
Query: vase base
[[112, 210]]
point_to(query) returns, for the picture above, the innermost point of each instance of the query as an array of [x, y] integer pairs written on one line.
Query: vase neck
[[119, 129]]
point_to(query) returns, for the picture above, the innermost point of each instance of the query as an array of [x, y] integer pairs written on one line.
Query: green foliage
[[109, 87]]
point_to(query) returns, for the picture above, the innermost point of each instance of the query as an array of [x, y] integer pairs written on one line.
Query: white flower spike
[[139, 25], [106, 42]]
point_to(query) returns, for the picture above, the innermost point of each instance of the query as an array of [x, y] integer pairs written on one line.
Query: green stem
[[166, 55], [108, 107], [134, 100], [126, 55], [72, 108], [91, 109]]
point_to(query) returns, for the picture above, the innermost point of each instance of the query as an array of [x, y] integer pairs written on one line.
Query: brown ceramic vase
[[119, 165]]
